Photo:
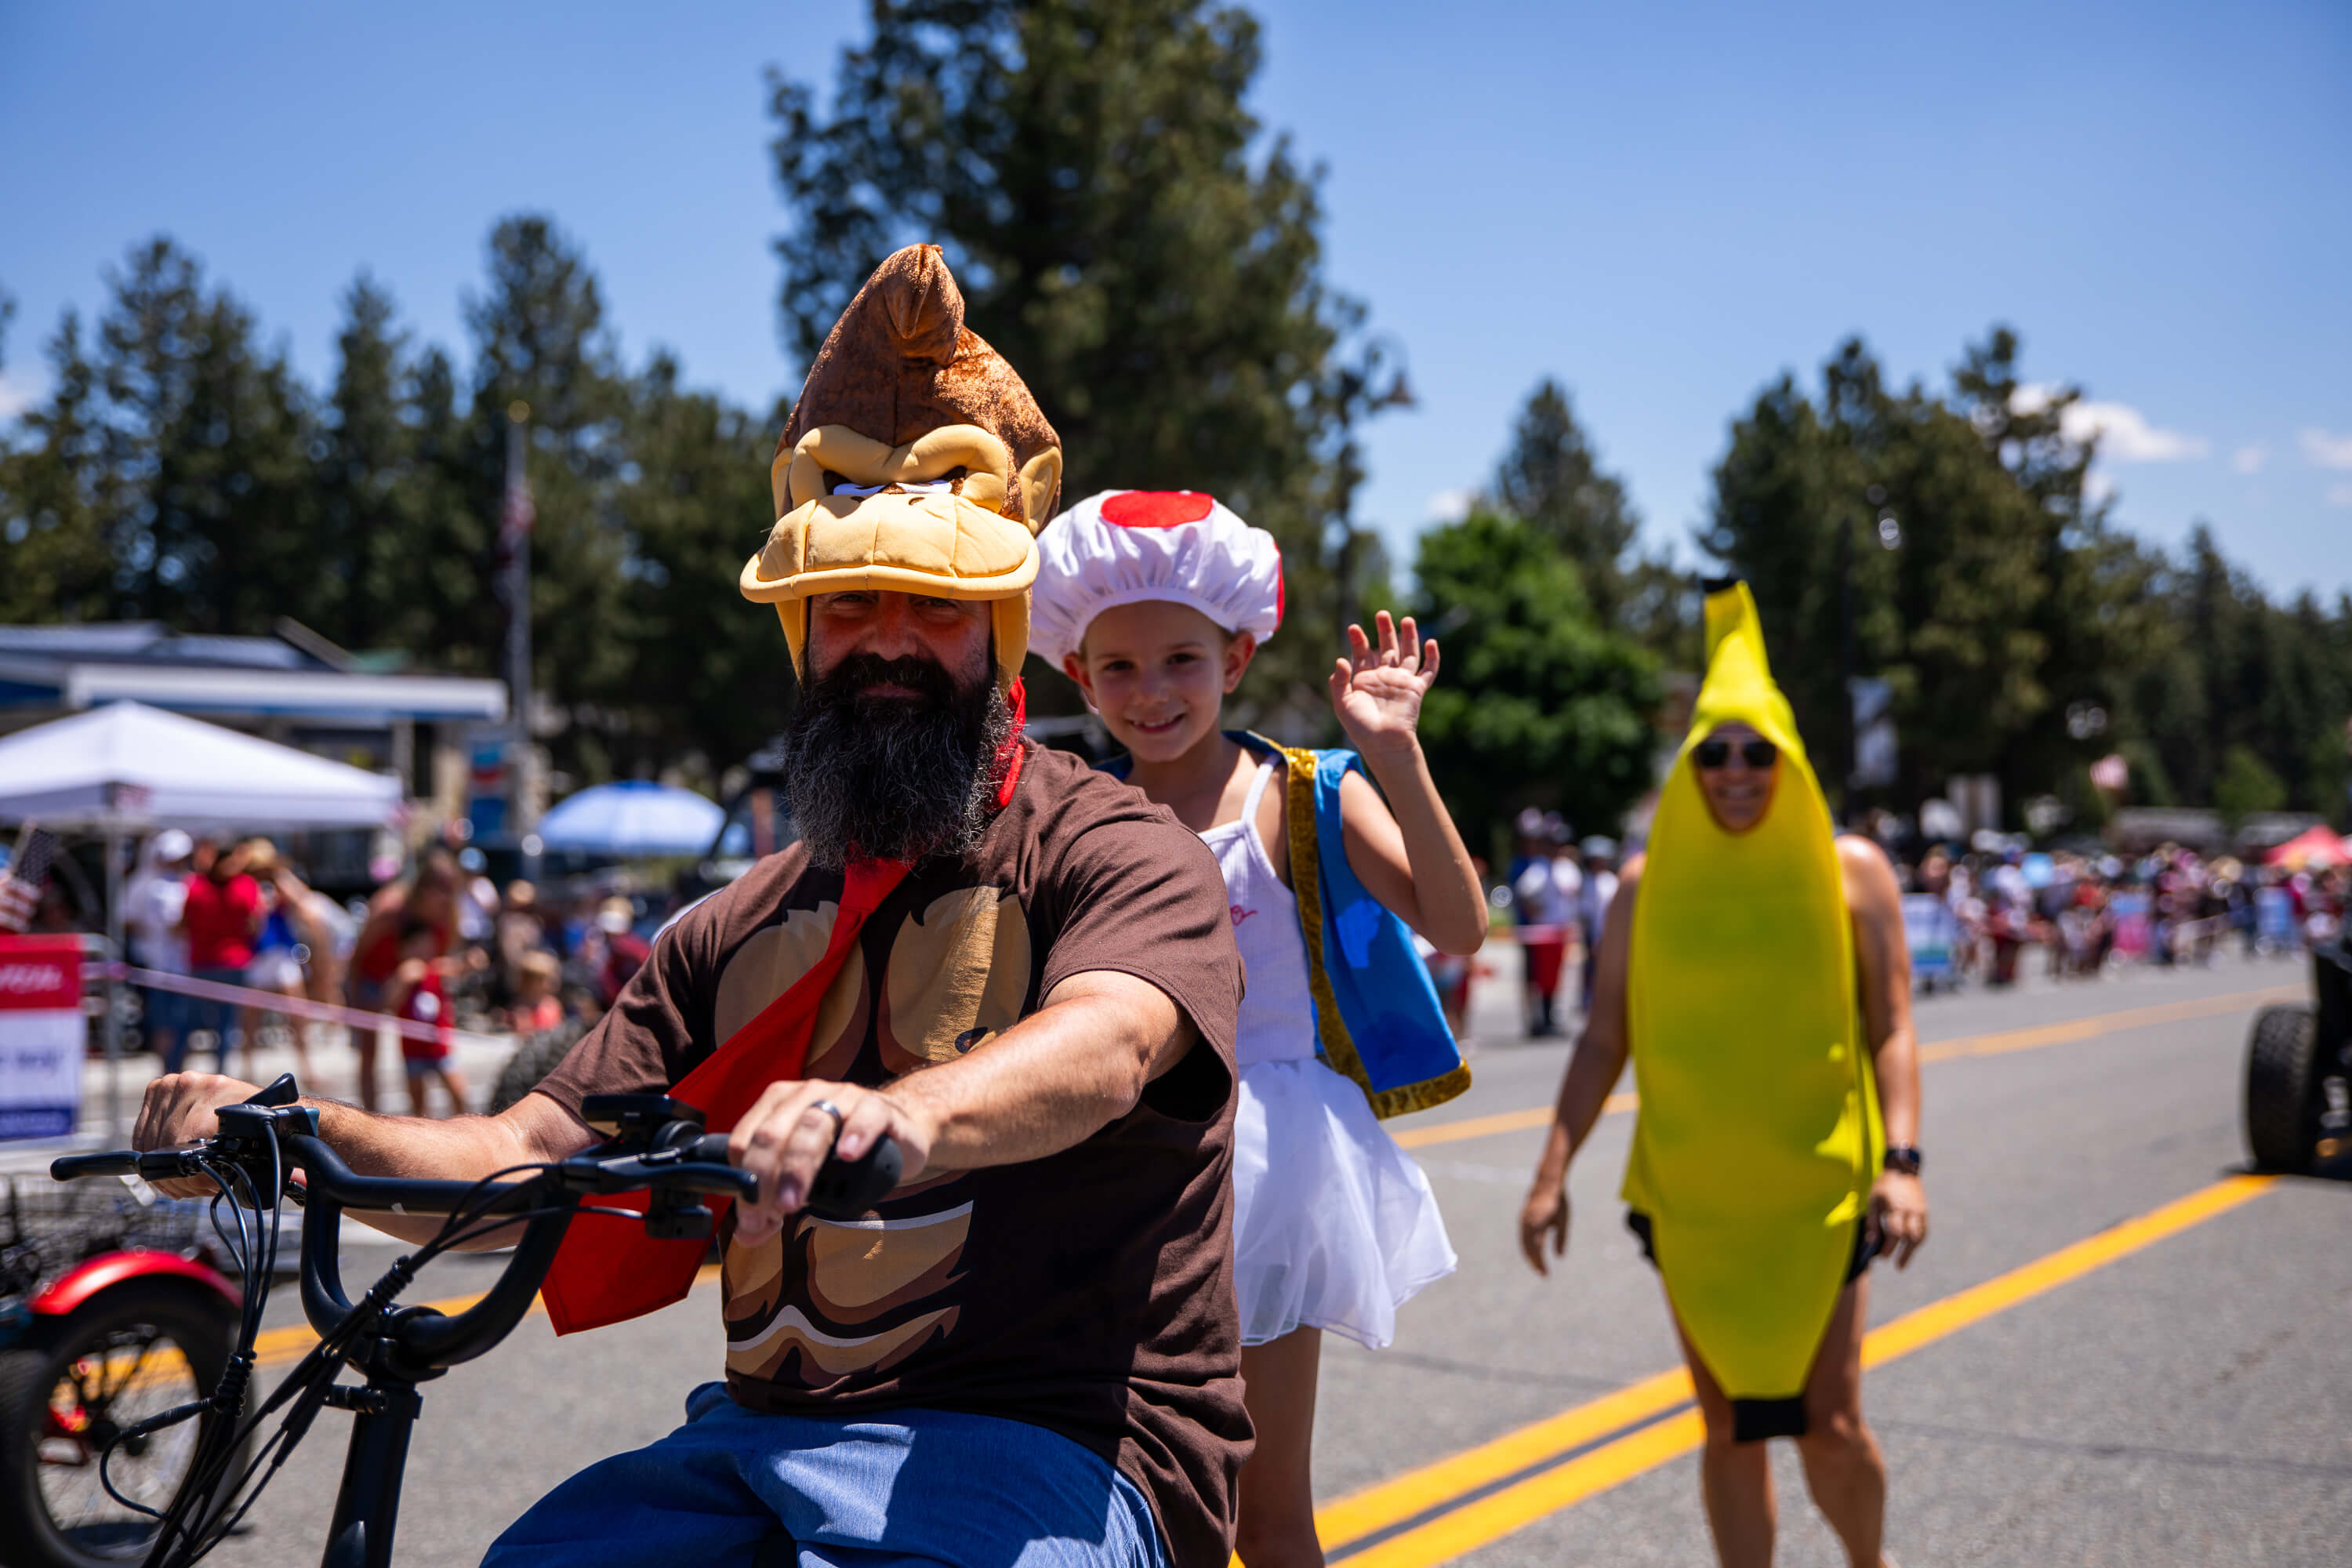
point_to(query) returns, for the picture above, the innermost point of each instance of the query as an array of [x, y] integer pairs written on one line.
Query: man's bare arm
[[179, 1109], [1592, 1072], [1883, 964], [1050, 1081], [1883, 975]]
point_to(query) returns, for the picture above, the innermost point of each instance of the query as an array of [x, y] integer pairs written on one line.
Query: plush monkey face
[[916, 462]]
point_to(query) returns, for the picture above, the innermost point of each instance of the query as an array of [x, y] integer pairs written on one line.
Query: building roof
[[296, 673]]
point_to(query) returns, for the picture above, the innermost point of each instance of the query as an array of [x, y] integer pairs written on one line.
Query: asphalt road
[[2059, 1385]]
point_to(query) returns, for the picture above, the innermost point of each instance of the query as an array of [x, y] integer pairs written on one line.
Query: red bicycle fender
[[112, 1268]]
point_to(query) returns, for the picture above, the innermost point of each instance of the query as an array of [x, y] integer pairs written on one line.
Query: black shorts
[[1865, 1244], [1754, 1420]]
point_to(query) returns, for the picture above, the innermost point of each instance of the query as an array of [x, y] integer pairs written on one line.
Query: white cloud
[[2123, 431], [15, 396], [2097, 488], [2339, 495], [2327, 451], [1451, 506], [2249, 458]]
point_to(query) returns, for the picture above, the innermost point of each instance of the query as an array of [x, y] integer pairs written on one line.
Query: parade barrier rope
[[278, 1002]]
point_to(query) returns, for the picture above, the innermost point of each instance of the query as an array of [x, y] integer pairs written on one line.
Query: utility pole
[[516, 526]]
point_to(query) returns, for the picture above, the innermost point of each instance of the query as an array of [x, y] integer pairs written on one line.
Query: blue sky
[[1664, 206]]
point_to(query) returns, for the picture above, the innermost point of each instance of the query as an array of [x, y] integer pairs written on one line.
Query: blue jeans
[[733, 1487], [201, 1012]]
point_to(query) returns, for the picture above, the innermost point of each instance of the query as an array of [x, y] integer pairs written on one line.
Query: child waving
[[1154, 603]]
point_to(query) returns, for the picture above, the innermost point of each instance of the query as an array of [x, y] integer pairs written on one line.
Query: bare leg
[[453, 1083], [1276, 1529], [299, 1028], [363, 1043], [1735, 1479], [1842, 1467]]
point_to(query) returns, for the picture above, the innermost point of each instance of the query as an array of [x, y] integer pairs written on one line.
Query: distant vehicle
[[2299, 1069]]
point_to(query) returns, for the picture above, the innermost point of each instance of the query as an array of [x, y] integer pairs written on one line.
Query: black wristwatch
[[1903, 1157]]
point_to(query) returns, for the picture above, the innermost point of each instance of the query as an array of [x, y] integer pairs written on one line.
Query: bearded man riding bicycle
[[1014, 967]]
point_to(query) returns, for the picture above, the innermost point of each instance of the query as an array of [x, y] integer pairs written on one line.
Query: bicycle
[[110, 1310], [655, 1144]]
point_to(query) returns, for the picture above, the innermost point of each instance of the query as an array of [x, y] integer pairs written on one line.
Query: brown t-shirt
[[1091, 1292]]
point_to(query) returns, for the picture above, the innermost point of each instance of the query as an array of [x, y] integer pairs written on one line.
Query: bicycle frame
[[417, 1343]]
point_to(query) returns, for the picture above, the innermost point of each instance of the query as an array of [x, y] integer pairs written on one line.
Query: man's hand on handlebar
[[785, 1136], [178, 1109]]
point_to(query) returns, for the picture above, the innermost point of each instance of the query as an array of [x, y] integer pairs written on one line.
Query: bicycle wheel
[[69, 1388]]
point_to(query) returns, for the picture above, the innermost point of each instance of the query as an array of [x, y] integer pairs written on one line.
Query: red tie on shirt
[[606, 1273]]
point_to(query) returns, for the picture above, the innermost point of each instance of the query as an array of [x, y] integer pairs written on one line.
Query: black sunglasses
[[1756, 754]]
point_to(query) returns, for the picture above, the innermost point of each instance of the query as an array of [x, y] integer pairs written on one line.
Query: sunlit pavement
[[2179, 1393]]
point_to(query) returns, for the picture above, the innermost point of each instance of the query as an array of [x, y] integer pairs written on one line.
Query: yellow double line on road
[[1487, 1492], [1993, 1045]]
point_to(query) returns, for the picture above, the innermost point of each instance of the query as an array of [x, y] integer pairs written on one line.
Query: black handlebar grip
[[114, 1163], [844, 1189], [284, 1091], [710, 1149]]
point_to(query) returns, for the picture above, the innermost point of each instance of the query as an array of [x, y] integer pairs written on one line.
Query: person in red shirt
[[429, 897], [220, 919], [416, 996]]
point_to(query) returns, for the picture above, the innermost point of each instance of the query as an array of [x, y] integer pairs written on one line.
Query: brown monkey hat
[[915, 461]]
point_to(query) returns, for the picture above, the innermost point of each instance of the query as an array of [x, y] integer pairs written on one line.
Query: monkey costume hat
[[915, 461]]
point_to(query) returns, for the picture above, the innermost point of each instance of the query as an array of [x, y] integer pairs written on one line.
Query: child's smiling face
[[1158, 672]]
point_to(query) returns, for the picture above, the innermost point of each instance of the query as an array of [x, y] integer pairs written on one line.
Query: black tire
[[533, 1060], [2281, 1121], [138, 1320]]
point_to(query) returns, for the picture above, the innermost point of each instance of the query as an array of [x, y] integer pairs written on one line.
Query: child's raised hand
[[1377, 692]]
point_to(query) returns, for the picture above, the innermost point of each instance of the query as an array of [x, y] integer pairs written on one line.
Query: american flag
[[516, 521]]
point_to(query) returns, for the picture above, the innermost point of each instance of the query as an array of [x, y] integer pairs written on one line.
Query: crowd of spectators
[[2083, 911], [440, 946], [1975, 914]]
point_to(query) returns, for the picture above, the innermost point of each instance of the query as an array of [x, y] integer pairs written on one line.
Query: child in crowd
[[415, 996], [1154, 603], [536, 1005]]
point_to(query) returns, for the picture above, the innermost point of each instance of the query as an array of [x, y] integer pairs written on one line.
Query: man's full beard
[[888, 778]]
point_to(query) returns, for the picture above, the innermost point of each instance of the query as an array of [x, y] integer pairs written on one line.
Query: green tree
[[1955, 617], [1124, 236], [57, 498], [2246, 787], [540, 339], [715, 678], [1550, 479], [208, 437], [1536, 702]]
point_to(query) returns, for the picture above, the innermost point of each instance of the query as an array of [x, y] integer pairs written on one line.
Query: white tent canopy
[[126, 765]]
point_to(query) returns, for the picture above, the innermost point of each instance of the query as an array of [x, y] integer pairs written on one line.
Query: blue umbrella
[[634, 817]]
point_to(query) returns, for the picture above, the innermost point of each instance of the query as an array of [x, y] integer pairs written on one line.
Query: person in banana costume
[[1753, 965]]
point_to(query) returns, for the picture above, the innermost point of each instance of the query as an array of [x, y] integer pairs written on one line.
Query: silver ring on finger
[[830, 1109]]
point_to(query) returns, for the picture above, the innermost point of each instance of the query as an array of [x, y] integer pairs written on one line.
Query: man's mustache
[[858, 673]]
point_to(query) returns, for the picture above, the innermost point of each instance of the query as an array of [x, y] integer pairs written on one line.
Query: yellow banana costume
[[1757, 1137]]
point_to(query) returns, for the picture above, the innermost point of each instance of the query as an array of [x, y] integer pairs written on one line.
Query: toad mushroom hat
[[1123, 547], [916, 462]]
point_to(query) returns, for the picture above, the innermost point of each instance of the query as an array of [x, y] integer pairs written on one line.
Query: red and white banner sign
[[43, 1036]]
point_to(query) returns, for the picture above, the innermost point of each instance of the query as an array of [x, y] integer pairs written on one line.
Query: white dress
[[1334, 1226]]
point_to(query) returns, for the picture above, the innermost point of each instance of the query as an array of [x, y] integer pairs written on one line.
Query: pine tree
[[540, 339], [696, 511], [1552, 480], [57, 498], [1124, 237], [209, 437]]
